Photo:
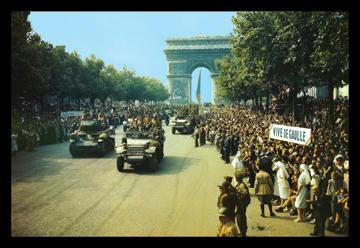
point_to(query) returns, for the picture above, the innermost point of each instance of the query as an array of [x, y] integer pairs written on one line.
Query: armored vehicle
[[182, 125], [90, 138], [141, 148]]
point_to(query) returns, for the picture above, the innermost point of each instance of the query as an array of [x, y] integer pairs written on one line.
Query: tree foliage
[[296, 49], [39, 69]]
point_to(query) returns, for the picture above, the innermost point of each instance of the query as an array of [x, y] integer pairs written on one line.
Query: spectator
[[14, 147], [302, 192], [283, 184], [264, 188]]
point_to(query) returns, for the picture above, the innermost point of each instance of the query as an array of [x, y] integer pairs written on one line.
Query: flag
[[198, 89]]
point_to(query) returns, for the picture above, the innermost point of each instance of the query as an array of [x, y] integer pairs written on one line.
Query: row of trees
[[39, 69], [295, 49]]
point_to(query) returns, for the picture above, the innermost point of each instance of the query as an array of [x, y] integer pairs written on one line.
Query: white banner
[[296, 135], [71, 114]]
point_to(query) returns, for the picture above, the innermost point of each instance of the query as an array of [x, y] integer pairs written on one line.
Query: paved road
[[56, 195]]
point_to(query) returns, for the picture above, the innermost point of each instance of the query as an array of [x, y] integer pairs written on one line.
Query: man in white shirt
[[237, 163]]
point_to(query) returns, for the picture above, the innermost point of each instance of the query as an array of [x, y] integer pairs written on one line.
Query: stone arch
[[200, 64], [184, 55]]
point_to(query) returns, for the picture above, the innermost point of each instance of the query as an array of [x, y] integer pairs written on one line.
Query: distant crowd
[[33, 126]]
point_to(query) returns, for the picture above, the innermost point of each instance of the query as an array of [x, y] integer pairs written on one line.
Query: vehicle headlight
[[100, 140]]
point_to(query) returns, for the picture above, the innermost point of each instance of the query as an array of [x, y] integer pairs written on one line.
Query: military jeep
[[182, 125], [91, 137], [140, 148]]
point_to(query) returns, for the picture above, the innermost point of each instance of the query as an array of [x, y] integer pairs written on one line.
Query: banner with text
[[71, 114], [296, 135]]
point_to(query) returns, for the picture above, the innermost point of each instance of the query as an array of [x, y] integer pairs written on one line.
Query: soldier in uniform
[[196, 136], [226, 198], [251, 166], [229, 180], [244, 199], [227, 149], [264, 188], [227, 227], [202, 135]]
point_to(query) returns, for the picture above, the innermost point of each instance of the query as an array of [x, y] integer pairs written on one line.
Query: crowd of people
[[310, 182], [34, 126]]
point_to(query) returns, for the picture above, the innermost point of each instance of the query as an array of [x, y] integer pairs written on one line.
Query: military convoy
[[141, 148], [91, 137], [138, 148]]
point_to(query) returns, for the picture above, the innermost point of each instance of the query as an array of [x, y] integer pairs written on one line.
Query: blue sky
[[135, 39]]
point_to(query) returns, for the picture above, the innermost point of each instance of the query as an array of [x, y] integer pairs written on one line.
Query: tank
[[91, 138]]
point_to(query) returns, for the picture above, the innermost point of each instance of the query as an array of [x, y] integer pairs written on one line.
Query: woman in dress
[[302, 192], [283, 184]]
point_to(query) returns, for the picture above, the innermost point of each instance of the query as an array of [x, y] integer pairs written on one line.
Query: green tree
[[331, 51]]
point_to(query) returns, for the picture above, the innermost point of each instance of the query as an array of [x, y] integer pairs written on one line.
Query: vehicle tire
[[120, 164], [102, 148], [112, 144], [153, 164], [73, 151], [160, 153], [173, 130], [124, 129]]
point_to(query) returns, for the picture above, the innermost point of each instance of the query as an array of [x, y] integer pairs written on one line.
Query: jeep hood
[[137, 142], [180, 121]]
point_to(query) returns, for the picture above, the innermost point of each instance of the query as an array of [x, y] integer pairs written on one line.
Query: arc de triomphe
[[184, 55]]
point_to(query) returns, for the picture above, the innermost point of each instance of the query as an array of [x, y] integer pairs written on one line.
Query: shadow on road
[[175, 164], [169, 165], [43, 169]]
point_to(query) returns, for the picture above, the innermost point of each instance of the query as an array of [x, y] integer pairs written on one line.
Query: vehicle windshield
[[139, 135], [89, 126]]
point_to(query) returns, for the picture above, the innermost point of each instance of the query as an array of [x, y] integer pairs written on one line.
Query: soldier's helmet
[[228, 178], [224, 212], [223, 184], [239, 175]]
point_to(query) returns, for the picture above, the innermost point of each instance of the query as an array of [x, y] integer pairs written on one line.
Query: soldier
[[227, 227], [229, 180], [235, 144], [251, 166], [227, 149], [202, 135], [196, 136], [243, 202], [226, 198], [221, 146], [264, 188]]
